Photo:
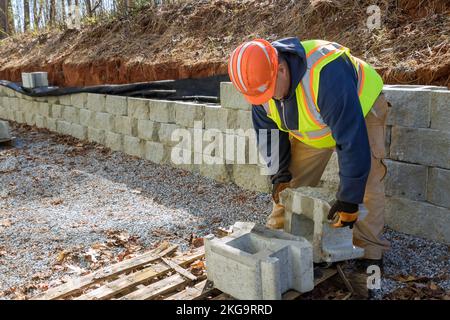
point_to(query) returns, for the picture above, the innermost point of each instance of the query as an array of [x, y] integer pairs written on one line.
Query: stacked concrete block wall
[[418, 146], [418, 142], [146, 128]]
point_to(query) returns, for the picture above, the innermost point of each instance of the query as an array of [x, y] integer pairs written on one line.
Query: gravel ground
[[56, 194]]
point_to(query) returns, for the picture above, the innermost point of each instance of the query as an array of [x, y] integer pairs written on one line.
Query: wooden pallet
[[152, 275]]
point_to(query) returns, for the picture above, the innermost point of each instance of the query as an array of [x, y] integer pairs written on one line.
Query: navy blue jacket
[[340, 109]]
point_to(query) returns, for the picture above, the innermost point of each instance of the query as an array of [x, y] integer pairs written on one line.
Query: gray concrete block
[[423, 146], [306, 211], [126, 125], [406, 180], [138, 108], [418, 218], [249, 177], [186, 113], [65, 100], [220, 118], [79, 100], [104, 121], [87, 118], [440, 110], [330, 177], [96, 135], [157, 152], [113, 141], [162, 111], [116, 105], [244, 119], [41, 121], [29, 118], [231, 98], [63, 127], [57, 111], [183, 159], [51, 124], [146, 129], [96, 102], [165, 133], [71, 114], [256, 263], [133, 146], [439, 187], [78, 131], [44, 109], [19, 116], [410, 107]]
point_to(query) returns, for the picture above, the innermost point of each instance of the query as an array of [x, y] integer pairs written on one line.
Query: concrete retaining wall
[[418, 142]]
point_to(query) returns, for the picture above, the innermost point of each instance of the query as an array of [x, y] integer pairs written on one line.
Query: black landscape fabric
[[200, 90]]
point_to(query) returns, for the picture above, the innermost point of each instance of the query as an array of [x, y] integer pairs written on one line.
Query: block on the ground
[[248, 176], [78, 131], [5, 134], [156, 152], [257, 263], [133, 146], [306, 211], [113, 141], [96, 135], [418, 218], [63, 127], [41, 121]]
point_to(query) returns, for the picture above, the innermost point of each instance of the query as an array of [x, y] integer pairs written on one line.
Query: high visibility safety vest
[[312, 129]]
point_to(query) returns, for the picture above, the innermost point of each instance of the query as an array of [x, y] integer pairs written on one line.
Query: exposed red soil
[[193, 40]]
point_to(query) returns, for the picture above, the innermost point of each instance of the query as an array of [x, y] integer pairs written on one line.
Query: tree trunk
[[3, 18], [52, 12], [10, 18], [26, 15], [88, 8]]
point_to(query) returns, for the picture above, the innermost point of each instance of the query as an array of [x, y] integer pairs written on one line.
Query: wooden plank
[[115, 287], [179, 269], [223, 296], [76, 284], [189, 293], [155, 289]]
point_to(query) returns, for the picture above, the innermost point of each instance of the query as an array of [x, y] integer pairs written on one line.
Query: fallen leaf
[[61, 256]]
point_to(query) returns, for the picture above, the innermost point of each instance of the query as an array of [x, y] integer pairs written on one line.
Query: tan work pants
[[308, 164]]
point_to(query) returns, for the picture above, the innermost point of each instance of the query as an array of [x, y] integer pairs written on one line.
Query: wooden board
[[152, 275]]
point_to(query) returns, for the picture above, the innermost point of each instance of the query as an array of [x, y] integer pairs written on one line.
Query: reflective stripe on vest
[[312, 129]]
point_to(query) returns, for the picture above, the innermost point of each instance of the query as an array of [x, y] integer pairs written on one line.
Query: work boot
[[276, 219], [276, 223]]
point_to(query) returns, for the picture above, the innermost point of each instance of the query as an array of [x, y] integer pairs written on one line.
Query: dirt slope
[[193, 40]]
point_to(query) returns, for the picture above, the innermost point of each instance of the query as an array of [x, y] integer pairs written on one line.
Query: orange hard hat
[[253, 68]]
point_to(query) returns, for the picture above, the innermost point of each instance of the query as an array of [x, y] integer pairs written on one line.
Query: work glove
[[343, 214], [276, 189]]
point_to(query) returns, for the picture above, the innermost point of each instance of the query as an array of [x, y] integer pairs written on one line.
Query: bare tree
[[3, 18], [88, 8], [26, 14]]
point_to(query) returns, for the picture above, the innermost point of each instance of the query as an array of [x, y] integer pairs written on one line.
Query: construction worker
[[320, 98]]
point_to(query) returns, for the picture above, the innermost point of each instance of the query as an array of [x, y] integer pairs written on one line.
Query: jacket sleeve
[[276, 152], [341, 110]]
